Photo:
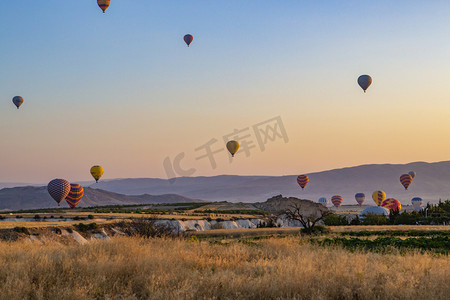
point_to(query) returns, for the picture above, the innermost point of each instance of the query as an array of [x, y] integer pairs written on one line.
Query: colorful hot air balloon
[[323, 201], [336, 200], [103, 4], [302, 180], [17, 100], [364, 82], [233, 147], [392, 204], [416, 201], [58, 189], [406, 180], [360, 197], [188, 39], [378, 197], [96, 172], [75, 195], [412, 174]]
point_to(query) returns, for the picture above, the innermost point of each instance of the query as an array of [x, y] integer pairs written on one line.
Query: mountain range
[[431, 183], [29, 197]]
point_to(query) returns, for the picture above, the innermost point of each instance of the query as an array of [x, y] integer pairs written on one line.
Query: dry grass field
[[274, 268]]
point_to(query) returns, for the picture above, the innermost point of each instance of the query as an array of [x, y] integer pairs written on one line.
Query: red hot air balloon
[[406, 180], [392, 204], [336, 200], [302, 180], [58, 189], [75, 195], [188, 39]]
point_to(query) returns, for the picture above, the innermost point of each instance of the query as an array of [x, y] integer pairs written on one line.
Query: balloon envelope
[[412, 174], [323, 201], [58, 189], [416, 201], [103, 4], [17, 100], [336, 200], [302, 180], [75, 195], [188, 39], [406, 180], [364, 82], [233, 147], [392, 204], [97, 172], [360, 197], [378, 197]]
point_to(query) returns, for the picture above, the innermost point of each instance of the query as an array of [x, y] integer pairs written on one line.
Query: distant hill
[[431, 183], [37, 197]]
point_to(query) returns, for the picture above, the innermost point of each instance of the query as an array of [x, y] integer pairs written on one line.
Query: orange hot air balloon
[[336, 200], [392, 204], [188, 39], [406, 180], [302, 181], [75, 195], [104, 4]]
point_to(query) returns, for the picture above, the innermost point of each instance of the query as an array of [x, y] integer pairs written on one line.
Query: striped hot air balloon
[[323, 201], [336, 200], [392, 204], [104, 4], [58, 189], [378, 197], [302, 180], [75, 195], [406, 180], [360, 197]]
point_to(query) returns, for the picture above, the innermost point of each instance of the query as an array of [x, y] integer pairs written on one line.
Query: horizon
[[218, 175]]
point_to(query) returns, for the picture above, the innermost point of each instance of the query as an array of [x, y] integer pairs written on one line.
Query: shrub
[[86, 227], [37, 217], [335, 220], [90, 217], [373, 219], [148, 228], [22, 230], [316, 230]]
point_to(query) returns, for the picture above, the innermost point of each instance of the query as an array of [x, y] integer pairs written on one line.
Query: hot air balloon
[[232, 147], [58, 189], [364, 82], [302, 180], [378, 197], [392, 204], [416, 201], [103, 4], [96, 172], [406, 180], [412, 174], [75, 195], [323, 201], [360, 197], [188, 39], [336, 200], [17, 100]]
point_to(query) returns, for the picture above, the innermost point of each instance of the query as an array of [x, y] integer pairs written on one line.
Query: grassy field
[[274, 268]]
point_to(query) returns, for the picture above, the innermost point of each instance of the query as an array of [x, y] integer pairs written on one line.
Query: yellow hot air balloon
[[103, 4], [96, 172], [379, 197], [233, 147]]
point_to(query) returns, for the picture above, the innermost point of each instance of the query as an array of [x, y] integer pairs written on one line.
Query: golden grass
[[283, 268]]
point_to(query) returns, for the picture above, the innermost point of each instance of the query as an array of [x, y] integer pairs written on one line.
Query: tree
[[307, 220]]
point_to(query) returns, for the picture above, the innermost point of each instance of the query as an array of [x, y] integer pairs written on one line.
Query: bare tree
[[308, 220]]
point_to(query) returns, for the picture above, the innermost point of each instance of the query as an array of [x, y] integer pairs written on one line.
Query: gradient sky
[[122, 90]]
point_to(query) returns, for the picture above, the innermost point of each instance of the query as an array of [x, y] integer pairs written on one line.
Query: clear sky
[[122, 90]]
